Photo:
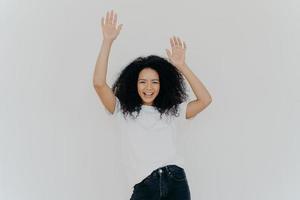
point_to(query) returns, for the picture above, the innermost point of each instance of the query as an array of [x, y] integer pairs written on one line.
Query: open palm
[[177, 56], [110, 29]]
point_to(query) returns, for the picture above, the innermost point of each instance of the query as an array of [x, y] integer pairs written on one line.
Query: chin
[[148, 101]]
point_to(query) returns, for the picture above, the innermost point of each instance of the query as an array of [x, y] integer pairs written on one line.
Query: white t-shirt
[[147, 142]]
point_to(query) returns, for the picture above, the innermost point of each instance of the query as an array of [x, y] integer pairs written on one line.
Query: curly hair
[[172, 86]]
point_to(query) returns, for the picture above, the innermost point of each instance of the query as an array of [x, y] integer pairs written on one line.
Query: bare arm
[[177, 57], [110, 33], [101, 64], [202, 94]]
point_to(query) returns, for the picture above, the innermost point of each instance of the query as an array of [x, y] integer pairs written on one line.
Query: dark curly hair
[[172, 87]]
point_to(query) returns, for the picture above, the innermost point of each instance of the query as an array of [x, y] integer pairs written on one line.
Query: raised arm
[[177, 58], [110, 32]]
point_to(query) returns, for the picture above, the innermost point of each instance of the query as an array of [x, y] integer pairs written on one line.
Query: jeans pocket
[[176, 173]]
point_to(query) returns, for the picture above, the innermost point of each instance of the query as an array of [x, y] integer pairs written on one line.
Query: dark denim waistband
[[165, 169], [164, 182]]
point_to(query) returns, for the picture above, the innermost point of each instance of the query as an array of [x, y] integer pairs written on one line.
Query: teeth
[[149, 94]]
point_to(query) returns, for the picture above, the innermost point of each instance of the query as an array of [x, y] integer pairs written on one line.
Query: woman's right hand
[[110, 29]]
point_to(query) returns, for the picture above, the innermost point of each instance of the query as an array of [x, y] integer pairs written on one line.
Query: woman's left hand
[[177, 56]]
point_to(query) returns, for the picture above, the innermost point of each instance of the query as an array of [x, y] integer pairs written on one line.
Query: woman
[[147, 101]]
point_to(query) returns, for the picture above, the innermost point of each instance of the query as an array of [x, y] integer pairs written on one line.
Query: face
[[148, 85]]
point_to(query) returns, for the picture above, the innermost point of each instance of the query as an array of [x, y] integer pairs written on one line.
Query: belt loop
[[167, 169]]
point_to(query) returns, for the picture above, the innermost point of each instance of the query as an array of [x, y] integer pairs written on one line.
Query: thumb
[[119, 28], [168, 53]]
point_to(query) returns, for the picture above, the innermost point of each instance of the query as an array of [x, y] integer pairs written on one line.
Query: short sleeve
[[182, 110], [117, 108]]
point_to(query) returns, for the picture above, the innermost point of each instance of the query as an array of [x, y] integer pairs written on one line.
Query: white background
[[56, 141]]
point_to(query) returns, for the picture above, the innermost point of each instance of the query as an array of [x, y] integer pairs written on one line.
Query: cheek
[[157, 87], [140, 88]]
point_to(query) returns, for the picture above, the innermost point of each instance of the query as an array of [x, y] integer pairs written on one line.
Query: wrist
[[107, 41], [182, 66]]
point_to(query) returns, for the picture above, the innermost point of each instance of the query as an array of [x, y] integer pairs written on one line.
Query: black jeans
[[165, 183]]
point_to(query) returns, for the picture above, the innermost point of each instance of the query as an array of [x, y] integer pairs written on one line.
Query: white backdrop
[[56, 142]]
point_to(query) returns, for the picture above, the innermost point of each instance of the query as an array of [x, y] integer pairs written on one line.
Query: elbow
[[209, 99], [207, 102], [98, 82], [98, 85]]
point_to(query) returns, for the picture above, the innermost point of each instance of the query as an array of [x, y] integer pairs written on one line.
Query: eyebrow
[[146, 79]]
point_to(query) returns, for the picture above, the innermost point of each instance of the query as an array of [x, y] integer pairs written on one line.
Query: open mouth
[[148, 94]]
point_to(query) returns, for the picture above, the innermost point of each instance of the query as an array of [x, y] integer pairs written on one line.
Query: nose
[[149, 86]]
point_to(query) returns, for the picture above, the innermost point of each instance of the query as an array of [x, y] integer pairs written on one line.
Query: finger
[[175, 41], [115, 19], [168, 53], [107, 17], [184, 45], [179, 42], [172, 42], [111, 17], [102, 21]]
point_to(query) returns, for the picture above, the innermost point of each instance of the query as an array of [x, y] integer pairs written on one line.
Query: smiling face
[[148, 85]]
